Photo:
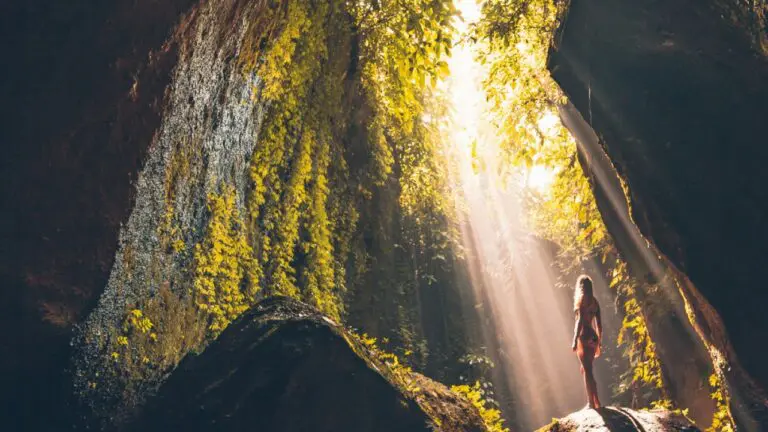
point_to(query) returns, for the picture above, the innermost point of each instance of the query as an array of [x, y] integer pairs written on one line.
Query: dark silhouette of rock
[[617, 419], [283, 367], [74, 137]]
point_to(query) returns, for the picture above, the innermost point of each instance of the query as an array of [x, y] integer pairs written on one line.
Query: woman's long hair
[[583, 292]]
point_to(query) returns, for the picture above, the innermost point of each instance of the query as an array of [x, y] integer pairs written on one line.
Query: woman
[[587, 335]]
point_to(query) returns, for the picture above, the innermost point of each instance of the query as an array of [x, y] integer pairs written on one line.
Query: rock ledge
[[618, 419]]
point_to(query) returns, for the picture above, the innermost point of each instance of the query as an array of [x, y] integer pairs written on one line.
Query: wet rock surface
[[617, 419], [284, 367]]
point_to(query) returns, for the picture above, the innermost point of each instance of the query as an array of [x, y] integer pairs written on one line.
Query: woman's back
[[588, 311]]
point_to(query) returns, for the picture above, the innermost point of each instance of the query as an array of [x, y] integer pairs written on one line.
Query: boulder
[[284, 367], [618, 419]]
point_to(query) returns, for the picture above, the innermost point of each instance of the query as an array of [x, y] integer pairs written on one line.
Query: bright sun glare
[[472, 133], [512, 280], [540, 178]]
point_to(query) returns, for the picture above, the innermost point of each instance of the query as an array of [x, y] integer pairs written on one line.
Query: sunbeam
[[512, 278]]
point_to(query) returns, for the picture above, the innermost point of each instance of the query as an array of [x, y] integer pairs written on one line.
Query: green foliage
[[402, 47], [291, 197], [222, 264], [290, 67], [553, 426], [513, 37], [428, 394], [320, 276], [568, 213], [491, 416], [722, 420], [304, 204], [138, 322], [152, 338], [168, 231], [347, 88], [401, 374], [635, 335], [641, 349]]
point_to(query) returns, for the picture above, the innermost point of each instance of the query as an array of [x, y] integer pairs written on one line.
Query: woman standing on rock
[[587, 334]]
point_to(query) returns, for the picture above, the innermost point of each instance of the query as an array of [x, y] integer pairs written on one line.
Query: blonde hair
[[582, 292]]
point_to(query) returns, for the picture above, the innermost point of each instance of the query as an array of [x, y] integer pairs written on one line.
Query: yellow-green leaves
[[647, 368], [635, 335], [491, 416], [515, 36], [397, 46], [721, 421], [281, 273], [403, 51], [281, 54], [138, 322], [222, 263], [320, 275]]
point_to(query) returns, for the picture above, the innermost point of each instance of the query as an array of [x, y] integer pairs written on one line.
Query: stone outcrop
[[617, 419], [122, 119], [284, 367]]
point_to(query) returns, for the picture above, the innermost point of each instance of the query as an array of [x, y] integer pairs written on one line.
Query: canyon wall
[[677, 93]]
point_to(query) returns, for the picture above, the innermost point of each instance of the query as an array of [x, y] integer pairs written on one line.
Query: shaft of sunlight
[[513, 283]]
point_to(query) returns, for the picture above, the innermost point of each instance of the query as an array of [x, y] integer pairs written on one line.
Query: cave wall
[[117, 115], [678, 94], [76, 128], [212, 115]]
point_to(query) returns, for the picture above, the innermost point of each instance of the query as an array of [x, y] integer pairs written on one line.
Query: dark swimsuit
[[587, 333]]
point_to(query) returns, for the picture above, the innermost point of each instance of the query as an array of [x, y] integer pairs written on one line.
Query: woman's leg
[[595, 398], [586, 356]]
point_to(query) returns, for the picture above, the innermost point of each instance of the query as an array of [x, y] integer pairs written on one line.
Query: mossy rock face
[[284, 367], [617, 419]]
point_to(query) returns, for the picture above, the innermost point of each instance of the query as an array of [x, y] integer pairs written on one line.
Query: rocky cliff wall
[[211, 120], [676, 92], [141, 159], [80, 104]]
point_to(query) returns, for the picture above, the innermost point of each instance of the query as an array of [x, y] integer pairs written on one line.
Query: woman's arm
[[599, 324], [599, 330], [576, 330]]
